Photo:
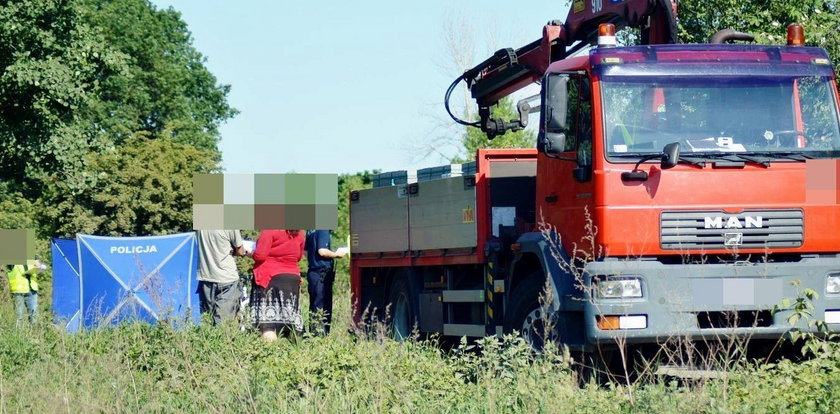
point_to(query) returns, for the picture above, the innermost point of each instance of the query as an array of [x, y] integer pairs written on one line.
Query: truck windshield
[[774, 116]]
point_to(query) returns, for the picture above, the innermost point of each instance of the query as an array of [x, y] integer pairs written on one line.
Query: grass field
[[154, 368]]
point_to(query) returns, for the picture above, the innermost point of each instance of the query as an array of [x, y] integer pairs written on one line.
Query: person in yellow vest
[[23, 284]]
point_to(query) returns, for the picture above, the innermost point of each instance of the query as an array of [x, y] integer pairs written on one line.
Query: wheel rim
[[534, 328], [401, 326]]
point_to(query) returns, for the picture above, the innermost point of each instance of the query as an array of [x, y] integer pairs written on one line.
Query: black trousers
[[320, 298]]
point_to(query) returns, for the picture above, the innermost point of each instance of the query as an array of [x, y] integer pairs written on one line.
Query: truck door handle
[[551, 199]]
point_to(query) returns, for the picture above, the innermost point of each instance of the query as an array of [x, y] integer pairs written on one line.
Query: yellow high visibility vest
[[22, 279]]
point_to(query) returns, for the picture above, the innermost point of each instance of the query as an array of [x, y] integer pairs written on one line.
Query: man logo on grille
[[733, 222]]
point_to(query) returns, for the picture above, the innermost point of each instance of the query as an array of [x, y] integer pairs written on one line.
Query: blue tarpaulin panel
[[66, 283], [133, 278]]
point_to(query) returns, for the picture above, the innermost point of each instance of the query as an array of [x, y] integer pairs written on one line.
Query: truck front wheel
[[527, 315]]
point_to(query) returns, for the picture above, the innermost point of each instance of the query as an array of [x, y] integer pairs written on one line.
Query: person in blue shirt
[[321, 277]]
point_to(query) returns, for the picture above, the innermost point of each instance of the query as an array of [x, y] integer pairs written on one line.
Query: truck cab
[[654, 244]]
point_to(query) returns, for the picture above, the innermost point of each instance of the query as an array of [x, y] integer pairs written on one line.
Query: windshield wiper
[[758, 157], [787, 155], [691, 160], [754, 160], [736, 157]]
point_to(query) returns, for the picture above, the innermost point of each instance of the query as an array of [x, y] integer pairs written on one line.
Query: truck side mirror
[[554, 101], [554, 142], [553, 107], [670, 156]]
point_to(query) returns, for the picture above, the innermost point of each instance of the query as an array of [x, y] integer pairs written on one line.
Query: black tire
[[526, 315], [403, 307]]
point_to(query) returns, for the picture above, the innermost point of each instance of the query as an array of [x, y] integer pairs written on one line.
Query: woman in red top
[[276, 292]]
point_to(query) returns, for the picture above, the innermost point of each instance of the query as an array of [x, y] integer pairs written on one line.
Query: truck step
[[463, 295], [458, 329], [691, 373], [455, 329]]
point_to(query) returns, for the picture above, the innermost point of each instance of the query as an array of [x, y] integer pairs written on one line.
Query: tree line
[[106, 112]]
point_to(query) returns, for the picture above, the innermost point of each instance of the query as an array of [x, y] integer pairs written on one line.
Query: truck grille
[[718, 230]]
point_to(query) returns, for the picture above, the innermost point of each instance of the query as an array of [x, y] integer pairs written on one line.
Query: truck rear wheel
[[402, 307], [527, 315]]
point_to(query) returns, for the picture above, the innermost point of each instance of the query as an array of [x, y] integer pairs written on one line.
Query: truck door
[[564, 166]]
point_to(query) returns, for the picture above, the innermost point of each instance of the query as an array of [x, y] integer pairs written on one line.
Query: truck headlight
[[832, 283], [623, 288]]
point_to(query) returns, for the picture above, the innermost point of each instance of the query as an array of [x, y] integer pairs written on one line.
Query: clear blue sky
[[340, 87]]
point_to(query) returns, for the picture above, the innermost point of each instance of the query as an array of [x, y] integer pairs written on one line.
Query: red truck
[[675, 191]]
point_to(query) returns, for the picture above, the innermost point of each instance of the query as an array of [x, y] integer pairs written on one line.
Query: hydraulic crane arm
[[509, 70]]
